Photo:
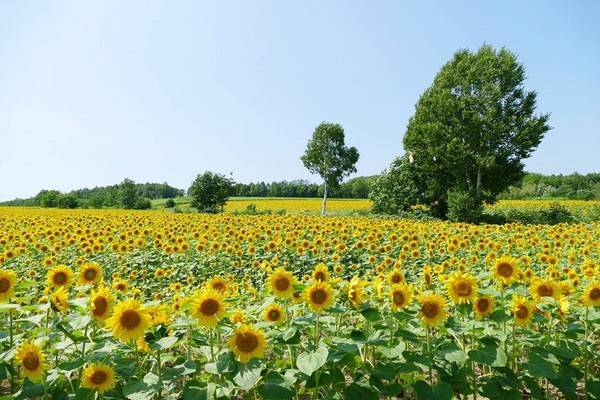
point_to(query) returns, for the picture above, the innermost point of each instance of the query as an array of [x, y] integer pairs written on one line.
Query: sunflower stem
[[430, 355], [212, 350], [585, 355], [85, 332]]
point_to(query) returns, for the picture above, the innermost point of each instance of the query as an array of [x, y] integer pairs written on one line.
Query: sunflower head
[[523, 310], [432, 310], [395, 277], [319, 296], [129, 320], [32, 361], [100, 377], [506, 269], [281, 283], [462, 288], [248, 343], [218, 284], [274, 313], [591, 295], [540, 288], [60, 276], [59, 299], [356, 291], [320, 273], [101, 303], [483, 306], [90, 273], [400, 296], [8, 279], [209, 307], [238, 317]]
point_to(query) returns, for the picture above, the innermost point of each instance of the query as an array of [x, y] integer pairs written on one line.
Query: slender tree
[[327, 155]]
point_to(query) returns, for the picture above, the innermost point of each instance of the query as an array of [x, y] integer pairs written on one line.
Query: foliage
[[463, 206], [538, 339], [395, 190], [328, 156], [210, 191], [170, 203], [574, 186], [472, 128]]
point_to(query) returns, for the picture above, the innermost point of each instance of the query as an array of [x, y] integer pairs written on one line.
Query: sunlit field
[[141, 305]]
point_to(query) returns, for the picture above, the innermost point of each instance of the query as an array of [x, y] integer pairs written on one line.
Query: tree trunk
[[324, 207], [478, 186]]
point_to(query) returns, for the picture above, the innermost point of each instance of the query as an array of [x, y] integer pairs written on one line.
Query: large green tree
[[328, 156], [210, 191], [473, 127]]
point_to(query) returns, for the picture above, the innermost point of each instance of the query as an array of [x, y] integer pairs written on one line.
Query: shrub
[[463, 207], [170, 203]]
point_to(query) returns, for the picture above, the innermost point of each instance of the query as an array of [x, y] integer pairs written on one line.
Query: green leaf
[[441, 391], [164, 343], [539, 367], [308, 363], [274, 391], [356, 391], [248, 375], [371, 314]]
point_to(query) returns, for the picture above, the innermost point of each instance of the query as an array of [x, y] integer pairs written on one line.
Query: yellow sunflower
[[60, 299], [356, 291], [129, 320], [320, 273], [8, 279], [100, 377], [238, 317], [248, 343], [400, 296], [281, 283], [506, 269], [101, 302], [274, 313], [522, 310], [32, 361], [543, 288], [90, 273], [60, 276], [483, 306], [319, 296], [462, 288], [395, 277], [591, 295], [218, 284], [120, 285], [209, 307], [432, 310]]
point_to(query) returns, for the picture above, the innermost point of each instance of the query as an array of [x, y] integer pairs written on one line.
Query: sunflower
[[248, 343], [462, 288], [281, 283], [90, 273], [483, 306], [209, 307], [98, 376], [32, 361], [522, 310], [356, 291], [129, 320], [433, 309], [8, 279], [506, 269], [395, 277], [60, 299], [591, 295], [61, 275], [238, 317], [101, 302], [274, 313], [218, 284], [120, 285], [543, 288], [400, 296], [320, 273], [319, 296]]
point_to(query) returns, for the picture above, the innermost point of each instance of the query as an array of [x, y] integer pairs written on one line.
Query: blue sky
[[95, 91]]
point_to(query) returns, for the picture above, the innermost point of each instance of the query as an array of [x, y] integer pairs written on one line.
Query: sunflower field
[[147, 305]]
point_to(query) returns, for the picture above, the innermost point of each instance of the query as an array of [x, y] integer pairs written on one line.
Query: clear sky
[[95, 91]]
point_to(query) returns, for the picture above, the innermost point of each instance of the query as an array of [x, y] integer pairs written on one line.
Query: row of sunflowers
[[148, 305]]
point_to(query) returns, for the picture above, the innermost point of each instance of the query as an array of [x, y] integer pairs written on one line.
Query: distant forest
[[129, 194]]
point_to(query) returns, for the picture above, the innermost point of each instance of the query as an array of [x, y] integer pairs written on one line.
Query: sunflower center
[[318, 296], [505, 269], [31, 361], [396, 278], [60, 278], [90, 274], [545, 290], [274, 315], [120, 287], [100, 306], [320, 276], [209, 307], [522, 312], [463, 288], [99, 377], [130, 319], [282, 283], [398, 298], [483, 305], [218, 286], [430, 309], [595, 293], [246, 342], [4, 285]]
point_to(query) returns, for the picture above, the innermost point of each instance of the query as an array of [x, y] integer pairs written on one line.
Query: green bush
[[464, 207], [170, 203]]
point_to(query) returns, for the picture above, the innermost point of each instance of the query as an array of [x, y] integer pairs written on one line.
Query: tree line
[[355, 188]]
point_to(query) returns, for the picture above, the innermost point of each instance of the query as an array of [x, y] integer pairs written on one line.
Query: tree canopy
[[210, 191]]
